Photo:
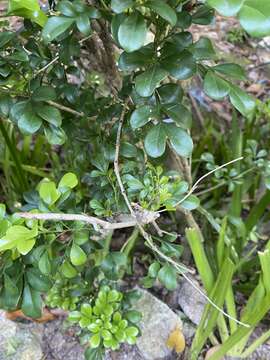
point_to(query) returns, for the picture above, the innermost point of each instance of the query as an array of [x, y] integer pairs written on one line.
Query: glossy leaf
[[226, 7], [180, 140], [31, 302], [48, 192], [119, 6], [49, 114], [242, 101], [155, 141], [77, 255], [163, 10], [132, 32], [215, 86], [142, 116], [146, 83], [167, 276], [254, 16], [56, 26], [181, 67], [232, 70]]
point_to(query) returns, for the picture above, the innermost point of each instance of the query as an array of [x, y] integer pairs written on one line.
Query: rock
[[191, 301], [126, 352], [157, 323], [60, 342], [19, 341]]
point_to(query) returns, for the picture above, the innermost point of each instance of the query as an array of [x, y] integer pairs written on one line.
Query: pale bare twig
[[65, 108], [194, 187]]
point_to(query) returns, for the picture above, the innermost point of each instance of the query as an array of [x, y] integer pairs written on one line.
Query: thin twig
[[96, 222], [47, 66], [194, 187], [65, 108]]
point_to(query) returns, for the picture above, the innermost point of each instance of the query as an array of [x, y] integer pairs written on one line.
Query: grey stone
[[18, 341], [191, 301], [157, 323]]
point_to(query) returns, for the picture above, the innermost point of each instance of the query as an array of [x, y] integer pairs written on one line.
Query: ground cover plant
[[105, 157]]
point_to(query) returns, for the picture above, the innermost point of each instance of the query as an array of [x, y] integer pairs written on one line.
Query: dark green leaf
[[83, 24], [132, 32], [180, 140], [167, 276], [163, 10], [141, 116], [5, 37], [155, 141], [31, 303], [179, 113], [203, 16], [203, 49], [49, 114], [114, 265], [146, 83], [67, 8], [44, 93], [55, 135], [243, 102], [132, 61], [29, 122], [215, 86], [120, 6], [184, 19], [38, 281], [232, 70], [55, 26], [182, 66], [170, 93]]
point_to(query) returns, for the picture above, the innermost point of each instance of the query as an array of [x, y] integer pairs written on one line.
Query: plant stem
[[13, 153]]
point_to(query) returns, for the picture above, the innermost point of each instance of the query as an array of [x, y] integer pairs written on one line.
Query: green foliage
[[59, 132], [104, 321]]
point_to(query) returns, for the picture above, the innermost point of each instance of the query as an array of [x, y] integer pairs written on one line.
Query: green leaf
[[68, 270], [203, 16], [95, 341], [215, 86], [227, 7], [24, 247], [119, 6], [44, 93], [49, 114], [31, 303], [77, 255], [142, 116], [180, 140], [94, 354], [81, 237], [254, 16], [179, 113], [55, 26], [44, 264], [6, 37], [29, 122], [163, 10], [232, 70], [132, 32], [167, 276], [28, 9], [136, 59], [55, 135], [83, 24], [155, 141], [68, 181], [170, 93], [2, 211], [243, 102], [38, 281], [182, 66], [154, 269], [146, 83], [113, 265], [184, 19], [67, 8], [203, 49], [48, 192], [191, 203]]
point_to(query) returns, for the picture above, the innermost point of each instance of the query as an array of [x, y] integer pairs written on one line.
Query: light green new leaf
[[68, 181], [215, 86], [254, 16], [226, 7], [132, 32], [146, 83], [163, 10], [25, 246], [55, 26], [28, 9], [77, 255], [155, 141], [242, 101], [48, 192]]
